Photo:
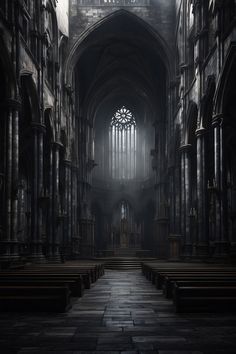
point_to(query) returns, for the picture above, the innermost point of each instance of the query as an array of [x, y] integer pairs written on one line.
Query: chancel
[[117, 176]]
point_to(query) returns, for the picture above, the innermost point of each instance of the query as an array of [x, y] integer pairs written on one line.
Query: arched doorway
[[125, 228]]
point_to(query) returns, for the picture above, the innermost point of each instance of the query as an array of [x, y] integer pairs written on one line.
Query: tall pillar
[[49, 219], [37, 256], [9, 184], [74, 226], [221, 236], [174, 236], [161, 218], [186, 199], [202, 237], [66, 240], [57, 218], [15, 178]]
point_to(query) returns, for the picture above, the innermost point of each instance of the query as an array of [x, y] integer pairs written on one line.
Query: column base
[[9, 253], [6, 261], [221, 249], [187, 251], [232, 252], [53, 254], [37, 258], [55, 258], [202, 250], [66, 252], [87, 251], [36, 255]]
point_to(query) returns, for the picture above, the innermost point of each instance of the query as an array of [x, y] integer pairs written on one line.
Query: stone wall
[[160, 14]]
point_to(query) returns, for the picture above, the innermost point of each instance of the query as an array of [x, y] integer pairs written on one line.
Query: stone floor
[[121, 313]]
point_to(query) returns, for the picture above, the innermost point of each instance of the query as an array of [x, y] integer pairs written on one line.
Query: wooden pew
[[34, 298], [53, 275], [205, 298], [31, 288], [160, 277], [195, 287], [211, 280], [75, 285]]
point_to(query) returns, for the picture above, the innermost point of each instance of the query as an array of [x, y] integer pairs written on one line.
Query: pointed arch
[[81, 44]]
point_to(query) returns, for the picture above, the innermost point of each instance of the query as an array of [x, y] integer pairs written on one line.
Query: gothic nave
[[117, 155]]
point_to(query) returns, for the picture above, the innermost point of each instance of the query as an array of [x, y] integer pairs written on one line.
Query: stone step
[[122, 263]]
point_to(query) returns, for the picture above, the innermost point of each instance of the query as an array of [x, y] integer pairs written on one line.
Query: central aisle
[[125, 312], [121, 313]]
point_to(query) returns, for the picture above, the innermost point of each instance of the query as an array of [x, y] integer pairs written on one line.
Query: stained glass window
[[122, 145]]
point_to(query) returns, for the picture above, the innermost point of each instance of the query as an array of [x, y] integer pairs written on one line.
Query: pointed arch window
[[122, 145]]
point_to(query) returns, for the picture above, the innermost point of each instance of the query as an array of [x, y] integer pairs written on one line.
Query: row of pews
[[47, 288], [195, 287]]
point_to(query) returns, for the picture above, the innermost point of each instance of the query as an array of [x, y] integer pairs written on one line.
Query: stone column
[[9, 242], [221, 237], [202, 238], [15, 106], [38, 130], [50, 224], [86, 222], [75, 236], [186, 198], [161, 217], [56, 215], [66, 241]]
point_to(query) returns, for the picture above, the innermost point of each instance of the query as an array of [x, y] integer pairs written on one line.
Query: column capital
[[57, 145], [200, 132], [185, 148], [39, 127], [217, 120], [67, 163], [11, 103]]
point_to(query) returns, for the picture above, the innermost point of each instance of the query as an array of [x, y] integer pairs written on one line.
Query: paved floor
[[121, 313]]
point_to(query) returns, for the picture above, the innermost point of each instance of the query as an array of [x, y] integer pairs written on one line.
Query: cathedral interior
[[117, 176]]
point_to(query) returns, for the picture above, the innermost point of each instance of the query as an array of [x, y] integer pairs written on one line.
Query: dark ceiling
[[121, 64]]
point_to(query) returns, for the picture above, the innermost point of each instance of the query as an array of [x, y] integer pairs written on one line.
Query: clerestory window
[[122, 145]]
